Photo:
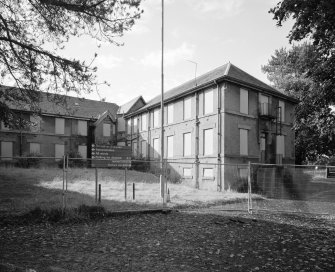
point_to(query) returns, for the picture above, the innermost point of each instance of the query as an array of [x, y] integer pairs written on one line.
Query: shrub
[[29, 160], [140, 164], [75, 160]]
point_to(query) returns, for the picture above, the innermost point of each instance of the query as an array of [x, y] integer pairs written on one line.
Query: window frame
[[244, 135], [186, 101], [244, 101], [189, 141], [206, 142], [209, 110]]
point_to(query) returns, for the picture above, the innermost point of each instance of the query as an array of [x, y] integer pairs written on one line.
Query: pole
[[134, 191], [63, 193], [162, 91], [249, 189], [66, 176], [99, 194], [96, 185], [125, 184]]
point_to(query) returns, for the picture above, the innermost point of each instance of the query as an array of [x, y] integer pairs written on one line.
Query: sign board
[[111, 156]]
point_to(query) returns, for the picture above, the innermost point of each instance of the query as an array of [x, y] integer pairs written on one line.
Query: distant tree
[[32, 34], [307, 72]]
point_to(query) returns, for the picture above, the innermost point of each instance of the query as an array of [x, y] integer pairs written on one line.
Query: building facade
[[221, 118], [60, 129]]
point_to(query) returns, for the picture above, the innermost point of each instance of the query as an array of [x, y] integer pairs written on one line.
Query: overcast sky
[[208, 32]]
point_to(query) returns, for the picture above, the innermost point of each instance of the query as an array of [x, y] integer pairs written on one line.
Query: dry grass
[[25, 189]]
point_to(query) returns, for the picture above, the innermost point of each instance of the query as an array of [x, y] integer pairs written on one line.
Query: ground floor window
[[6, 150]]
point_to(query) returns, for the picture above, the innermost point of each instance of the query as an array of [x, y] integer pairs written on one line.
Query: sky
[[209, 33]]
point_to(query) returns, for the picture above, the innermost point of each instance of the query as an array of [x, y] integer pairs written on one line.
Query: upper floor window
[[264, 102], [35, 125], [208, 141], [187, 144], [59, 126], [82, 127], [208, 102], [106, 130], [129, 126], [281, 111], [244, 101], [187, 108], [135, 124], [170, 113], [144, 124], [169, 153], [156, 118]]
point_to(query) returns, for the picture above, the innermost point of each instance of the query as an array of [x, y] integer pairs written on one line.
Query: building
[[60, 128], [224, 117]]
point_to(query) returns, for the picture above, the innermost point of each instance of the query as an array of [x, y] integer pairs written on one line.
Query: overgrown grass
[[22, 190]]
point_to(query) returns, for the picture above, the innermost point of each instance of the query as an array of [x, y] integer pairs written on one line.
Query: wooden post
[[125, 183], [99, 194], [63, 193], [134, 191], [249, 189], [67, 169], [96, 185]]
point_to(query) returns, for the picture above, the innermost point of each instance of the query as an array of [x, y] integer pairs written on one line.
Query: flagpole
[[162, 91]]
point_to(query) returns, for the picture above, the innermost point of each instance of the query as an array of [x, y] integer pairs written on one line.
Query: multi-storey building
[[223, 117], [59, 128]]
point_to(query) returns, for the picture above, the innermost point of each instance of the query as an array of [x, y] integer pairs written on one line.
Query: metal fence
[[63, 183]]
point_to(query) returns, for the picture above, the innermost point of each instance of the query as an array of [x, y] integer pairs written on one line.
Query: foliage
[[32, 34], [75, 160], [29, 160], [307, 72]]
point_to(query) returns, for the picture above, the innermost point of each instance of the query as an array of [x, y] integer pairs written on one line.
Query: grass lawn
[[24, 189]]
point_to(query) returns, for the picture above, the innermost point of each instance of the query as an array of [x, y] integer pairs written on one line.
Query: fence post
[[99, 201], [249, 189], [96, 185], [125, 183], [66, 172], [63, 193], [134, 191]]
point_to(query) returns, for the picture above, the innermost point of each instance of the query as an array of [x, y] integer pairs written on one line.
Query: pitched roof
[[126, 108], [71, 106], [228, 72]]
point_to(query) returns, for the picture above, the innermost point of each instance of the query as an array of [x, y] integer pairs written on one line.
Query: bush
[[75, 160], [29, 160], [140, 164]]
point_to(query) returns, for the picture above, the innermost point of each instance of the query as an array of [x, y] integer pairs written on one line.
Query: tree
[[314, 122], [29, 27], [307, 72]]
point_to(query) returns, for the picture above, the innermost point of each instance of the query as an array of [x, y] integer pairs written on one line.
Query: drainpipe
[[197, 140], [219, 132], [149, 135]]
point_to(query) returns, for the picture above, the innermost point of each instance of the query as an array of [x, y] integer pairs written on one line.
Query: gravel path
[[203, 240]]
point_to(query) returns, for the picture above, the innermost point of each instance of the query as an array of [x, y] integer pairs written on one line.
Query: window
[[82, 150], [129, 126], [187, 143], [156, 118], [208, 173], [281, 111], [169, 153], [264, 104], [134, 148], [208, 102], [135, 125], [35, 125], [244, 101], [82, 128], [6, 151], [156, 147], [144, 149], [243, 142], [243, 172], [170, 113], [35, 148], [3, 126], [262, 144], [208, 142], [106, 130], [59, 127], [59, 151], [187, 172], [144, 125], [121, 124], [280, 145], [187, 108]]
